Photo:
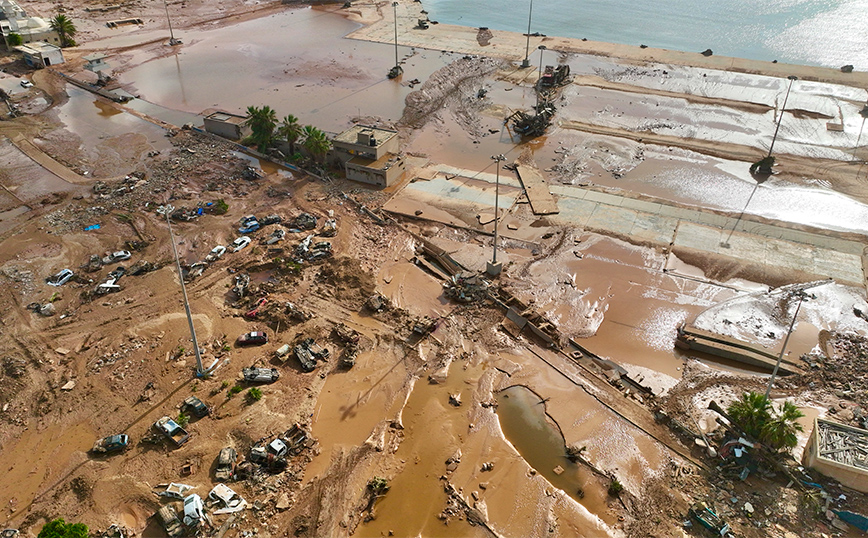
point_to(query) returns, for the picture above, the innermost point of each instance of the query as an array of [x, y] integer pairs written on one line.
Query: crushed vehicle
[[176, 491], [260, 375], [308, 250], [226, 460], [194, 271], [276, 236], [254, 338], [231, 501], [112, 443], [242, 282], [705, 515], [376, 303], [297, 313], [168, 519], [346, 334], [277, 447], [271, 219], [274, 464], [254, 311], [109, 286], [195, 407], [249, 224], [215, 254], [117, 256], [194, 511], [348, 357], [26, 83], [305, 221], [172, 430], [60, 278], [308, 352], [281, 352], [329, 228], [240, 243]]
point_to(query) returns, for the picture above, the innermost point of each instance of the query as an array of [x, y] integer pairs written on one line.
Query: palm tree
[[290, 130], [316, 142], [752, 412], [65, 30], [262, 122], [780, 432]]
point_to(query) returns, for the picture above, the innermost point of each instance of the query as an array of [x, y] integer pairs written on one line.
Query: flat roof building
[[227, 125], [370, 155], [40, 54]]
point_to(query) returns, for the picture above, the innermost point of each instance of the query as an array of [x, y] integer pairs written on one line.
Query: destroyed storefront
[[840, 452]]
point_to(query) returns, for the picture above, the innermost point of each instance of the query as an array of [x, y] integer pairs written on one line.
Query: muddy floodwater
[[540, 442]]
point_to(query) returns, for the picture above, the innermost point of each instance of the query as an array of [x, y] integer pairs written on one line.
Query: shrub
[[254, 394], [615, 488], [183, 420], [234, 390]]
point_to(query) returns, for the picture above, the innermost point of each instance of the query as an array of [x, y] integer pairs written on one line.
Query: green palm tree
[[290, 130], [262, 121], [751, 413], [316, 142], [780, 431], [65, 30]]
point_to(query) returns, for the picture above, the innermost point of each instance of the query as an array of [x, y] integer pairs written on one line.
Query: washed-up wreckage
[[467, 287]]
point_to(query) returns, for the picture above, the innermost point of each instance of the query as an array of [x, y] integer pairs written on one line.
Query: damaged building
[[370, 155], [840, 452]]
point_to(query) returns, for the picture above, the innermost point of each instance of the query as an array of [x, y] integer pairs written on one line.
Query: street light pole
[[802, 296], [792, 79], [864, 114], [200, 370], [397, 70], [539, 74], [494, 268], [526, 62], [172, 40], [725, 244]]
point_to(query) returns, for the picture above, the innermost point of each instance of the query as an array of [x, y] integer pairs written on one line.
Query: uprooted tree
[[59, 528]]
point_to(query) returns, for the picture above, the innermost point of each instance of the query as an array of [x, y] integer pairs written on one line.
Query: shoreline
[[513, 45]]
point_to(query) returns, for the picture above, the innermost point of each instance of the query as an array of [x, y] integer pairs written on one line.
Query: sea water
[[829, 33]]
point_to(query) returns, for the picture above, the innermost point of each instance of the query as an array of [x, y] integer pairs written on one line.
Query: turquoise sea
[[830, 33]]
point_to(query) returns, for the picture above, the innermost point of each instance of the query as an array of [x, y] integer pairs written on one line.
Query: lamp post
[[526, 62], [397, 70], [172, 40], [792, 79], [802, 296], [200, 370], [539, 74], [493, 267]]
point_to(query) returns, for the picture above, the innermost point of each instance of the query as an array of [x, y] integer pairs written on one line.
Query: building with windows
[[14, 20], [370, 155], [227, 125], [40, 54]]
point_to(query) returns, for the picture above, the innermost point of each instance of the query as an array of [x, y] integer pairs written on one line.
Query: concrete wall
[[847, 475]]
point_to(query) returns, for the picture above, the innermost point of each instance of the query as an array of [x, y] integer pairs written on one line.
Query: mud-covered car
[[226, 464], [112, 443], [196, 407], [260, 375]]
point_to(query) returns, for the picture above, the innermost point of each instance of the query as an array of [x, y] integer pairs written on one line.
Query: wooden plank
[[537, 188]]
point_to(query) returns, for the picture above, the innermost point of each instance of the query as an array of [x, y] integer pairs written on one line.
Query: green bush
[[254, 394], [61, 529], [183, 420], [220, 207], [615, 488], [14, 39], [234, 390]]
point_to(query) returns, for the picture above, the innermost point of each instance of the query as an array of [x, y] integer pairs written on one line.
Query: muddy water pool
[[290, 61]]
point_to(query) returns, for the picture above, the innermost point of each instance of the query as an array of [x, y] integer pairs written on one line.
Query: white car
[[215, 253], [117, 256], [26, 84], [60, 278], [240, 243], [194, 511]]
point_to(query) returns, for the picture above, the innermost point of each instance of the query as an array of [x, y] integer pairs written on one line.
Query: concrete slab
[[612, 219], [537, 188]]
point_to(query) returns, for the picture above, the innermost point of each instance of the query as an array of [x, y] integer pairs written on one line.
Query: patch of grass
[[234, 390], [615, 487], [182, 420], [224, 384]]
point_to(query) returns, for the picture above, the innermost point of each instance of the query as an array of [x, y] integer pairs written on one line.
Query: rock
[[68, 386], [282, 502], [748, 507], [847, 68], [455, 399], [47, 309], [483, 485], [707, 52], [487, 466]]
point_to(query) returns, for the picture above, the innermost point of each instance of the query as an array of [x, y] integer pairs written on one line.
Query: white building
[[14, 20], [41, 54]]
